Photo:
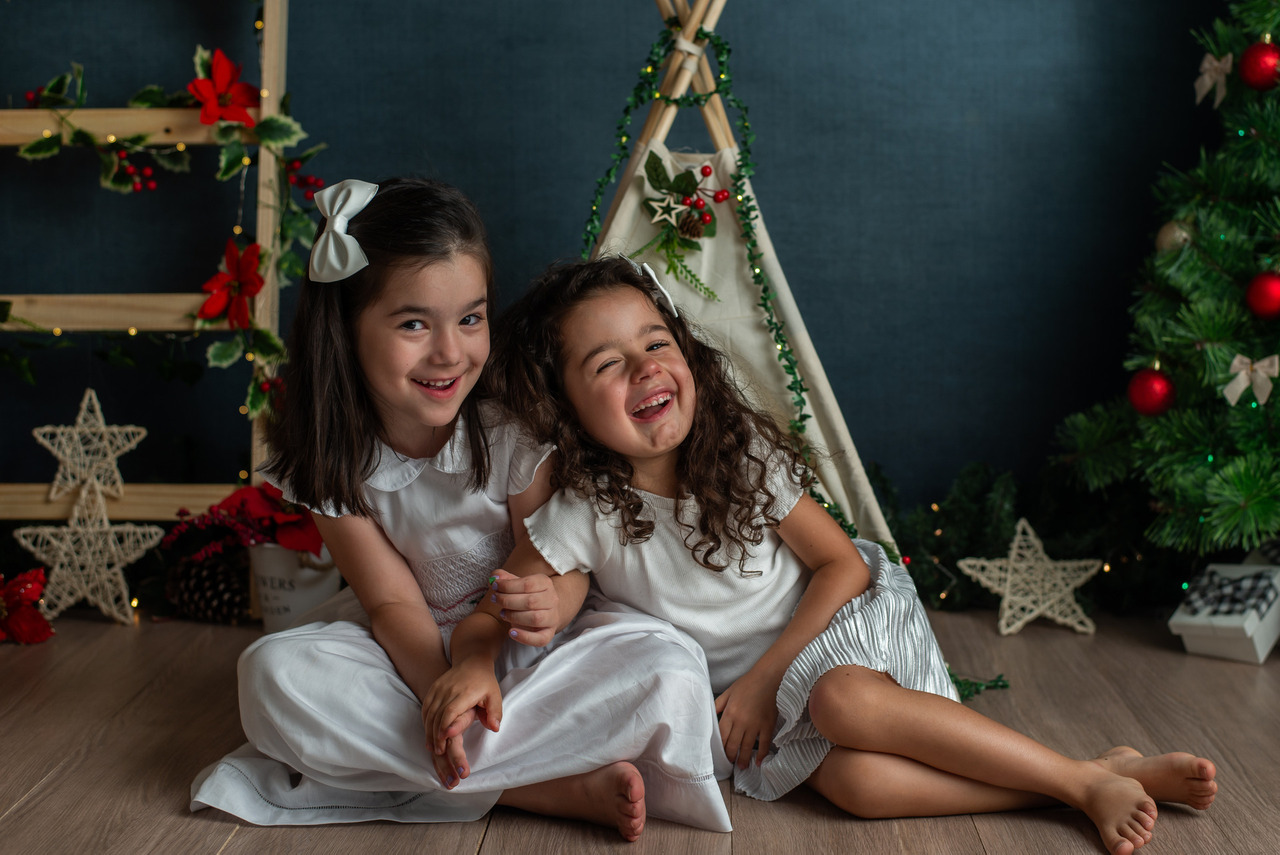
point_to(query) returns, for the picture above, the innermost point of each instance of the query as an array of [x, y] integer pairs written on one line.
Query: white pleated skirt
[[336, 736], [884, 629]]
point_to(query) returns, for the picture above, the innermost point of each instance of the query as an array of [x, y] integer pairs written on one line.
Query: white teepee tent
[[739, 265]]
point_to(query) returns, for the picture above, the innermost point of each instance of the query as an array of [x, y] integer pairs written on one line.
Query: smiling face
[[421, 346], [628, 382]]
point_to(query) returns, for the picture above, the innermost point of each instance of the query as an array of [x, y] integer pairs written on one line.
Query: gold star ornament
[[87, 450], [1031, 585], [87, 557]]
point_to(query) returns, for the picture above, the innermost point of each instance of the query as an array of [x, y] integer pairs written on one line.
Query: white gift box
[[1246, 635]]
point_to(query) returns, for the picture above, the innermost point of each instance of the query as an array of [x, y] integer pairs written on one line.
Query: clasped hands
[[527, 609]]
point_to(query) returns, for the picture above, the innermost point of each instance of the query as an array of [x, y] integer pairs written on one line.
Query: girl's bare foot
[[612, 795], [1122, 811], [1175, 777]]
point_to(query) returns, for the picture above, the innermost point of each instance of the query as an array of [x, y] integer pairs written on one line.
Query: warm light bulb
[[111, 138], [134, 602], [1106, 568], [243, 475], [258, 25], [264, 93], [133, 330], [245, 160], [46, 133], [249, 357], [937, 532], [934, 507], [244, 411], [237, 229], [182, 146], [57, 330]]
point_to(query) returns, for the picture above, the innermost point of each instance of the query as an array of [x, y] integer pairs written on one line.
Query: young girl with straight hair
[[686, 502], [419, 484]]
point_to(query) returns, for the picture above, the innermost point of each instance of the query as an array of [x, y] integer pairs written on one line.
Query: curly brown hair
[[722, 463]]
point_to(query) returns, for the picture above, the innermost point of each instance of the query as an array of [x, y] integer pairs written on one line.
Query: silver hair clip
[[336, 254], [646, 269]]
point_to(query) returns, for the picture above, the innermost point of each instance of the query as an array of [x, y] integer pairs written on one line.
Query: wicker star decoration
[[1031, 585], [87, 451], [87, 557], [666, 208]]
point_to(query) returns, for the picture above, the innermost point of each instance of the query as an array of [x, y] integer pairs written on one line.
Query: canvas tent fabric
[[736, 322]]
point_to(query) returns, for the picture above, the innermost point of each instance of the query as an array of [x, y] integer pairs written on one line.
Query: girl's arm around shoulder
[[386, 588]]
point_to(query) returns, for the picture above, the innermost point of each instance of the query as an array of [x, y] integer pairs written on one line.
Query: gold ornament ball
[[1173, 235]]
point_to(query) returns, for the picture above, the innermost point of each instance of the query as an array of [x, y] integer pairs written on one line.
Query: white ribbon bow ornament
[[1249, 373], [1213, 75], [336, 254]]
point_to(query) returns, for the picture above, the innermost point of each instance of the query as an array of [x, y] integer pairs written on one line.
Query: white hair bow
[[336, 254]]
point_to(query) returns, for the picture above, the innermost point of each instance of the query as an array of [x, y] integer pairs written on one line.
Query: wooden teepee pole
[[713, 112]]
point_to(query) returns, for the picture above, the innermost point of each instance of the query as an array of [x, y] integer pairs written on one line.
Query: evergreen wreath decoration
[[645, 91]]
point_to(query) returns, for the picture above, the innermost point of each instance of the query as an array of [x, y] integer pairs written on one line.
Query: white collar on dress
[[395, 472]]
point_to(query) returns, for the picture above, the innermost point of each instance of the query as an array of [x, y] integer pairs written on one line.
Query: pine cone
[[691, 226]]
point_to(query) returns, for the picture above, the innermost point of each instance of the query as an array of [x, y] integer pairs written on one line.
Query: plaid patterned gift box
[[1231, 612]]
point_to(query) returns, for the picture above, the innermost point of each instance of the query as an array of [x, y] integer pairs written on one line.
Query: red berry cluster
[[312, 183], [272, 386], [700, 204], [142, 178], [33, 97]]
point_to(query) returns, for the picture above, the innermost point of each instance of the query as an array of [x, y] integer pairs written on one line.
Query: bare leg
[[1175, 777], [612, 796], [858, 708], [873, 785]]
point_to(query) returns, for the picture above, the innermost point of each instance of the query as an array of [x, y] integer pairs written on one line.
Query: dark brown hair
[[324, 431], [722, 463]]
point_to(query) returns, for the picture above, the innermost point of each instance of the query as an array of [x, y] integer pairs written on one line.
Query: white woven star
[[87, 557], [666, 208], [1033, 586], [88, 450]]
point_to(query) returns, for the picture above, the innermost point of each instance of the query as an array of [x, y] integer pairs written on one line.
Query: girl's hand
[[469, 688], [748, 711], [452, 765], [530, 604]]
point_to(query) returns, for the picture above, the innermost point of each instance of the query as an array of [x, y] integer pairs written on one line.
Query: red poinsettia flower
[[20, 620], [221, 96], [270, 519], [229, 291]]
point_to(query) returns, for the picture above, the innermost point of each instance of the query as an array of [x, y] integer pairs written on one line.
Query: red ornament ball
[[721, 195], [706, 171], [707, 218], [699, 203], [1151, 392], [1263, 295], [1258, 66]]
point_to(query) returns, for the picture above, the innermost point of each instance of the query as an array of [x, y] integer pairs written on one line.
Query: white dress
[[335, 735], [736, 614]]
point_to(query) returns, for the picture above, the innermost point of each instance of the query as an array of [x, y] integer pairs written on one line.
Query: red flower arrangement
[[249, 516], [229, 290], [20, 620], [221, 97]]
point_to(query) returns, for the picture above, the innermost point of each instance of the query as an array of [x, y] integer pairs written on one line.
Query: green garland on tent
[[645, 91]]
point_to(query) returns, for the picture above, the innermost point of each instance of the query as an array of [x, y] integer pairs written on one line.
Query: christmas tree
[[1200, 427]]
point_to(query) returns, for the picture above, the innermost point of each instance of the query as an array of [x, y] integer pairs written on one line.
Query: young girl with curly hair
[[683, 500]]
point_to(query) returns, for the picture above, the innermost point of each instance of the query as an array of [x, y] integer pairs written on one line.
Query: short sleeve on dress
[[569, 534], [779, 479], [528, 456]]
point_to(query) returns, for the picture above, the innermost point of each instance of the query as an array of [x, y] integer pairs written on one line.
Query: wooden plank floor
[[103, 727]]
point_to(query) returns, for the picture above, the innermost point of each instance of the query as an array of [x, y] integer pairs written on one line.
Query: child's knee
[[846, 697]]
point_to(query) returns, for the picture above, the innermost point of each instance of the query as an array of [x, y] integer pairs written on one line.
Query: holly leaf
[[267, 345], [685, 184], [82, 137], [689, 245], [20, 365], [55, 91], [657, 173], [279, 132], [258, 400], [290, 267], [227, 133], [172, 160], [709, 229], [231, 159], [42, 148], [149, 96], [305, 156], [108, 163], [203, 61], [224, 354], [77, 74], [297, 225]]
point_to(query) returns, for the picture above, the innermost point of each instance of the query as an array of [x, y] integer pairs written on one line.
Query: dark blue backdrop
[[959, 192]]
